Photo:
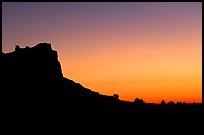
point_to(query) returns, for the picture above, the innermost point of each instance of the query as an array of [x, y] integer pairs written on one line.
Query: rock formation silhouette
[[33, 88], [33, 79], [30, 74]]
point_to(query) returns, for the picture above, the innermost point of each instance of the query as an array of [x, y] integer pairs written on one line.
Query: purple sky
[[127, 48]]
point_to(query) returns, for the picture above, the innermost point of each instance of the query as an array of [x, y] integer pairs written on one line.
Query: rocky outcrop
[[39, 61], [31, 75], [34, 90]]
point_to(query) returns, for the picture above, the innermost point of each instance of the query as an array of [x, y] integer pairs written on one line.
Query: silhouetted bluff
[[34, 89], [32, 78]]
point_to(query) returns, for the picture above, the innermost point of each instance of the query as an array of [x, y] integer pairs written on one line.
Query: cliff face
[[39, 61], [34, 90], [31, 75]]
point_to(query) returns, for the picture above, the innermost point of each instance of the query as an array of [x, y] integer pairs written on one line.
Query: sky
[[145, 50]]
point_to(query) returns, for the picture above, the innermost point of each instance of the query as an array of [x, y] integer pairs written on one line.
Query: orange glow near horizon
[[151, 51], [170, 72]]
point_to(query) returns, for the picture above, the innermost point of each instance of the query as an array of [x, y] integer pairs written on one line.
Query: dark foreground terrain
[[37, 96]]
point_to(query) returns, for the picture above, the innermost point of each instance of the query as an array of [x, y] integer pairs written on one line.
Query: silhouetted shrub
[[179, 103], [141, 101], [116, 96], [138, 101], [170, 103], [163, 102]]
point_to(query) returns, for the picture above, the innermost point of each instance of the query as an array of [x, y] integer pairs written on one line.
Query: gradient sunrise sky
[[151, 51]]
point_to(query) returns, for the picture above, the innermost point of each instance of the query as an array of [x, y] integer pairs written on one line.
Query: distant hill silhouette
[[33, 85]]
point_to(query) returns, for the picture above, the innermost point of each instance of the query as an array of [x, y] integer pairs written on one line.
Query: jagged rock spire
[[17, 48]]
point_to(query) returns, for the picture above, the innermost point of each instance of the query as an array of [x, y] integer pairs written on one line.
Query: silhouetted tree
[[139, 101], [170, 103], [184, 103], [136, 100], [163, 102], [116, 96], [179, 103]]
